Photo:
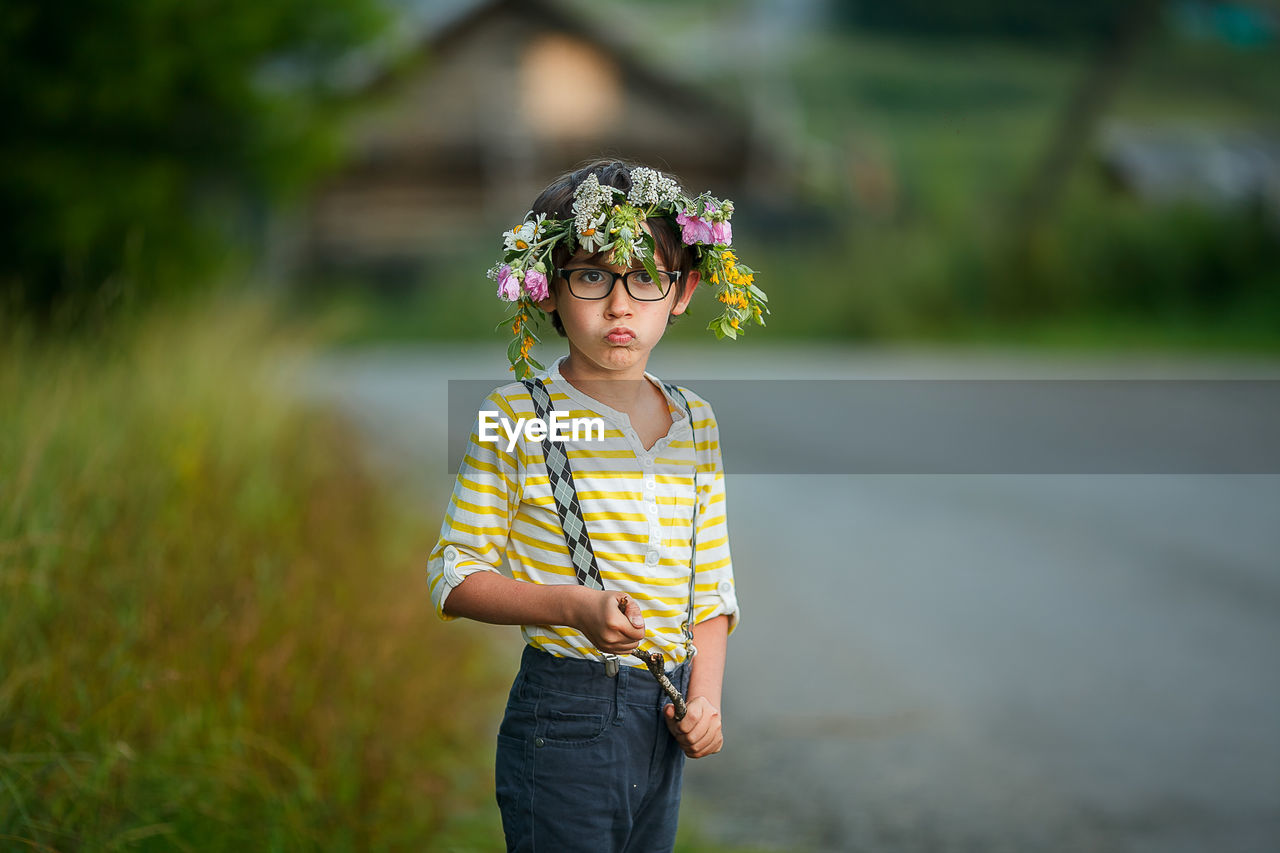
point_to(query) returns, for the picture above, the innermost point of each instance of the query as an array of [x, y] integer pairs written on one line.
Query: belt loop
[[620, 694]]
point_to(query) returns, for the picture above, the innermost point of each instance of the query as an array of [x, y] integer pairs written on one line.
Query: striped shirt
[[637, 504]]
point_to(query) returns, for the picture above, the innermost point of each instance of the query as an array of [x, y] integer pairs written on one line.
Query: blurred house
[[457, 139]]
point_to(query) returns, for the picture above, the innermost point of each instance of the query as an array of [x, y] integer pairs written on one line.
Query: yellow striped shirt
[[637, 504]]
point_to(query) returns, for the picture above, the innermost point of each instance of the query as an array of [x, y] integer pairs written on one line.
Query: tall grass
[[214, 630]]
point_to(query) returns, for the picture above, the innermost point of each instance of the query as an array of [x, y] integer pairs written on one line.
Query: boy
[[615, 544]]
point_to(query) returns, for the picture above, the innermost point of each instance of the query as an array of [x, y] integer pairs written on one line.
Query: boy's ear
[[683, 302]]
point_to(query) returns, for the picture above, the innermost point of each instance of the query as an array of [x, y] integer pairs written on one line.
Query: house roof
[[441, 24]]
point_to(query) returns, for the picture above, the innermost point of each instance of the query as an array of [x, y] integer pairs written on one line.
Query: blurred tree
[[1084, 109], [138, 136]]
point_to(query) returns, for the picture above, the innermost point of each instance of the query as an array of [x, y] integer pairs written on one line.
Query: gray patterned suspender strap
[[566, 496], [568, 508]]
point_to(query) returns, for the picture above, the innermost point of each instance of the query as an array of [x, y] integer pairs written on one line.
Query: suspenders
[[569, 509], [566, 496]]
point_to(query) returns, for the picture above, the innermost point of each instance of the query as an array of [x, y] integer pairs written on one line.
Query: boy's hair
[[556, 201]]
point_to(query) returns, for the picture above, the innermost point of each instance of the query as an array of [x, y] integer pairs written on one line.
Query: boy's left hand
[[699, 733]]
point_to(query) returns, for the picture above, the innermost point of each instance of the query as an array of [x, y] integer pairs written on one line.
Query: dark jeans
[[585, 761]]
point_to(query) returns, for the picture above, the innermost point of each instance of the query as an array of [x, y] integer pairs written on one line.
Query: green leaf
[[649, 266], [758, 293], [513, 350], [648, 254], [536, 364]]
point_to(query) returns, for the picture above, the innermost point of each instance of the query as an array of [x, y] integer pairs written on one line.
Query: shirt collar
[[554, 378]]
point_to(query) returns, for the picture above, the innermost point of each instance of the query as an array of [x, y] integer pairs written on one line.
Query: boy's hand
[[699, 733], [612, 622]]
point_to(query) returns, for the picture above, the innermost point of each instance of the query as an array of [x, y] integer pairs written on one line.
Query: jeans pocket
[[572, 720]]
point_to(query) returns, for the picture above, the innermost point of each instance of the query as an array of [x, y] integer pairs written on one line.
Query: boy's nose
[[619, 301]]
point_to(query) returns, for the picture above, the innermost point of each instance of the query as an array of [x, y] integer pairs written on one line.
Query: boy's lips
[[620, 335]]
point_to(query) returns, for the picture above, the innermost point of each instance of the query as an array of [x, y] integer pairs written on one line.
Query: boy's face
[[613, 336]]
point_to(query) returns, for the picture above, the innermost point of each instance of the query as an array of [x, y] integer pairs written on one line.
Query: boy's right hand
[[611, 621]]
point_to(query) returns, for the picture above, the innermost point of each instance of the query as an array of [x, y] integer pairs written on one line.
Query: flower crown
[[607, 219]]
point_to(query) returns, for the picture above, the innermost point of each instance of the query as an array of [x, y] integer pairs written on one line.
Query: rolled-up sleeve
[[477, 523], [714, 591]]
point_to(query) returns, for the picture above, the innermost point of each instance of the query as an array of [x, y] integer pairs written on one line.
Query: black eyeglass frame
[[564, 273]]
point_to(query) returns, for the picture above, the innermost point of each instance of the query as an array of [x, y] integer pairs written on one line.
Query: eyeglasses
[[588, 283]]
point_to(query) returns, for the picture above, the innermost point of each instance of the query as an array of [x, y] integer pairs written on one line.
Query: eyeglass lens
[[597, 284]]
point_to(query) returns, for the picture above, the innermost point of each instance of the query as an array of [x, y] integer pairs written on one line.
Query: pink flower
[[536, 284], [693, 230], [722, 233], [508, 284]]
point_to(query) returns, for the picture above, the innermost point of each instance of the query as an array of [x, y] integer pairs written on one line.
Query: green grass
[[214, 631]]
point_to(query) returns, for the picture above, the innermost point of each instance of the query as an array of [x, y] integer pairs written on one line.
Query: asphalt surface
[[1047, 652]]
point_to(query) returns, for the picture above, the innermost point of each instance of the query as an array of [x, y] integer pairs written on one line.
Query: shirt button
[[651, 484], [651, 559], [647, 462], [724, 587], [450, 554], [653, 509]]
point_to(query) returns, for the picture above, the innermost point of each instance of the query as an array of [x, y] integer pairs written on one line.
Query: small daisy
[[519, 239], [594, 236]]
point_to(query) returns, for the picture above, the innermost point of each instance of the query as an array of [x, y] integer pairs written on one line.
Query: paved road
[[985, 662]]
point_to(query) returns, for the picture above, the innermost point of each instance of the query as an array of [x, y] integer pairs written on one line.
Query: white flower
[[649, 187], [536, 222], [590, 201], [593, 235], [519, 238]]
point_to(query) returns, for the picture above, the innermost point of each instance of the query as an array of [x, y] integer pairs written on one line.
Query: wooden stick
[[655, 662], [657, 666]]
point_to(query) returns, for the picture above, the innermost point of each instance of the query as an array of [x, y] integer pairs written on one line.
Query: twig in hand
[[654, 661], [656, 664]]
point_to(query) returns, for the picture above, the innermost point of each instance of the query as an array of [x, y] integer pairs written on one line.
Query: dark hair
[[556, 201]]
